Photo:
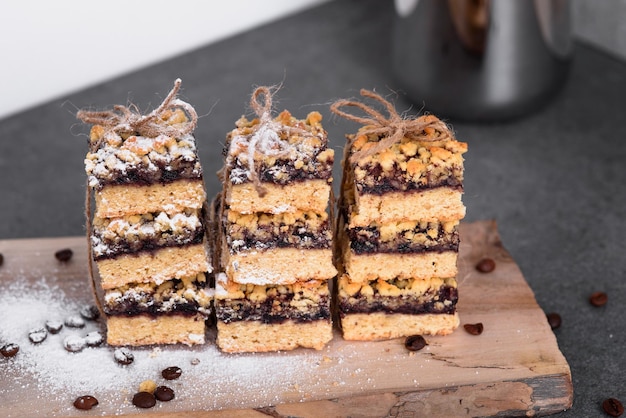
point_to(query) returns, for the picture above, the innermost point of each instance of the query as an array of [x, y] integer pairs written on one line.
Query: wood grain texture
[[514, 368]]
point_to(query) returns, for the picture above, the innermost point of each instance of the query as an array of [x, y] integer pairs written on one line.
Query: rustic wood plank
[[513, 368]]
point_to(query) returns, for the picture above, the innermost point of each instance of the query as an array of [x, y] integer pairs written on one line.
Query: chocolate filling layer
[[135, 302], [122, 246], [273, 310], [283, 171], [298, 235], [379, 182], [165, 172], [366, 240], [431, 302]]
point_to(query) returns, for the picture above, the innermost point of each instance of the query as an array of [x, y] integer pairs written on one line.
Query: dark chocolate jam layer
[[283, 171], [122, 246], [366, 240], [135, 302], [432, 302], [271, 311], [379, 182], [298, 235], [158, 172]]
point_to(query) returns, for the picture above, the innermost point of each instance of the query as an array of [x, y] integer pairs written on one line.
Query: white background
[[49, 48]]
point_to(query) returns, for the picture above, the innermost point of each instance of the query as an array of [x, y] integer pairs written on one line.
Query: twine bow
[[124, 119], [391, 129], [265, 136]]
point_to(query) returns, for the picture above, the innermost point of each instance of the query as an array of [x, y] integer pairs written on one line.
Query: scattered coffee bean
[[85, 403], [53, 326], [144, 400], [64, 255], [74, 343], [74, 321], [1, 259], [474, 329], [37, 335], [123, 356], [415, 342], [554, 319], [9, 350], [598, 299], [164, 394], [171, 373], [486, 265], [90, 312], [94, 339], [613, 407]]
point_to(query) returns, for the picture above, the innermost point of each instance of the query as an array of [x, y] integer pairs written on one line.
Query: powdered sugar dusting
[[47, 377]]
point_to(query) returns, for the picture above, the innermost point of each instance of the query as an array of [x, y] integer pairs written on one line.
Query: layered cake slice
[[275, 234], [258, 318], [397, 227], [148, 231]]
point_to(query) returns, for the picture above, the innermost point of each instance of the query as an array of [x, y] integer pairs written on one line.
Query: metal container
[[481, 60]]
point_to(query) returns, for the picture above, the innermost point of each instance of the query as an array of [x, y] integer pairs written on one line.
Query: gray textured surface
[[602, 24], [555, 181]]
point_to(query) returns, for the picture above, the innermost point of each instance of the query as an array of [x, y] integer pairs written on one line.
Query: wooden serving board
[[514, 368]]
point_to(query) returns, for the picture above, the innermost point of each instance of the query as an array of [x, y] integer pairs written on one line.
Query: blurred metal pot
[[481, 60]]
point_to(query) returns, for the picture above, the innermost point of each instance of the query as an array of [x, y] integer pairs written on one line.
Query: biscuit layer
[[255, 336], [388, 266], [307, 196], [121, 200], [156, 266], [278, 265], [383, 326], [440, 204], [148, 329]]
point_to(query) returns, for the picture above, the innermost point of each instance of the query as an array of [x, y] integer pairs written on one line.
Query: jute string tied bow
[[265, 136], [391, 129], [124, 119]]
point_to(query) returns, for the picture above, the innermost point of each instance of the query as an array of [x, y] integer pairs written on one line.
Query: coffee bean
[[415, 343], [93, 339], [474, 329], [74, 343], [554, 319], [171, 373], [9, 350], [123, 356], [90, 312], [64, 255], [598, 299], [85, 403], [53, 326], [1, 259], [486, 265], [144, 400], [74, 321], [613, 407], [164, 394], [37, 335]]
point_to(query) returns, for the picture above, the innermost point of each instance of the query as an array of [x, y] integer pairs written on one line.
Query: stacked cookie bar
[[148, 230], [397, 232], [274, 234]]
